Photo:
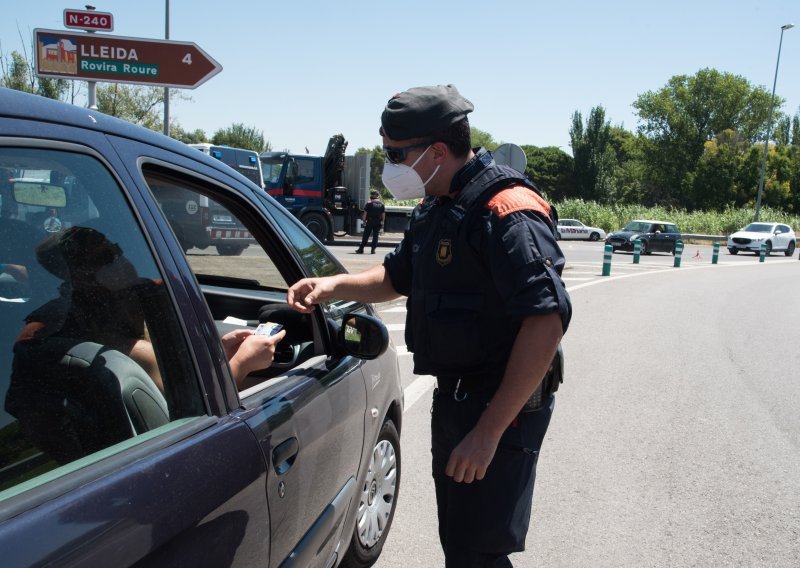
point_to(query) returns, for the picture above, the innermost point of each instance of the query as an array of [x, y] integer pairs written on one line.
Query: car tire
[[317, 224], [733, 251], [768, 248], [594, 236], [645, 250], [790, 249], [230, 250], [377, 502]]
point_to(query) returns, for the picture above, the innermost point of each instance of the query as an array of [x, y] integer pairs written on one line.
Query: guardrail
[[711, 238]]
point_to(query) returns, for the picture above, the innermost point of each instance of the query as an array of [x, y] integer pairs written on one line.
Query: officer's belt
[[448, 384], [462, 385]]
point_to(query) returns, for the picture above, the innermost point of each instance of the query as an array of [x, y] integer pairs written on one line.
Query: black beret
[[421, 111]]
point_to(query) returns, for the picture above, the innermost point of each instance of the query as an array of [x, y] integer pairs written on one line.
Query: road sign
[[89, 20], [115, 59]]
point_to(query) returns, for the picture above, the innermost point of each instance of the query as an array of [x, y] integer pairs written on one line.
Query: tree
[[197, 136], [18, 73], [238, 135], [682, 116], [135, 103], [551, 169], [480, 138], [375, 169], [595, 157]]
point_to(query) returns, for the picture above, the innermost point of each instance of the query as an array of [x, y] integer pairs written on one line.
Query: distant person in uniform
[[487, 308], [373, 216]]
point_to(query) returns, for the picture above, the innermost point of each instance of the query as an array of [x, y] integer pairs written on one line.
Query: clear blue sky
[[301, 71]]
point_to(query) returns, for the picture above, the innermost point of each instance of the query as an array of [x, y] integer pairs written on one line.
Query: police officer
[[487, 308], [373, 216]]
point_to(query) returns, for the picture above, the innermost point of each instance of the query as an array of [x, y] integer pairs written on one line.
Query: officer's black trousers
[[370, 229], [480, 523]]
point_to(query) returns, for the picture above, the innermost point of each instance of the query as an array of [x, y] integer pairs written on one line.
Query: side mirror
[[362, 336]]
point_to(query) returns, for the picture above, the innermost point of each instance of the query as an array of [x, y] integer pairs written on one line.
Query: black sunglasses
[[399, 155]]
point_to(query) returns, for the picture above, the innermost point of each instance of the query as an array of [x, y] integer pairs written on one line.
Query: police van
[[245, 162]]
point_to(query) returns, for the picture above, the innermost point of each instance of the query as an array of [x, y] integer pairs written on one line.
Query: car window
[[217, 242], [671, 229], [243, 267], [317, 260], [92, 354]]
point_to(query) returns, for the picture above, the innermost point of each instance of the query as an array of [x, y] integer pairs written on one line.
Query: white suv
[[775, 236]]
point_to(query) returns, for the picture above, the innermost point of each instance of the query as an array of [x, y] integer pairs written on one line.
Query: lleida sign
[[115, 59]]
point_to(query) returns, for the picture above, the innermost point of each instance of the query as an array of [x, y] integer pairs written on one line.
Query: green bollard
[[637, 251], [762, 252], [678, 253], [608, 251], [715, 256]]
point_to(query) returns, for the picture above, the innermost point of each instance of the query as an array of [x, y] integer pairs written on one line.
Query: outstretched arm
[[370, 286]]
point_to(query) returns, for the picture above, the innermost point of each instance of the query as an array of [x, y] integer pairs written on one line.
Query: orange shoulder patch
[[517, 198]]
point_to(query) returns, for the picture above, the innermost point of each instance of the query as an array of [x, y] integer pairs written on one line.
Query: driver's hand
[[254, 352]]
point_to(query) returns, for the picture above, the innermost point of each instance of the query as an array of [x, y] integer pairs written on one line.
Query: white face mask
[[403, 182]]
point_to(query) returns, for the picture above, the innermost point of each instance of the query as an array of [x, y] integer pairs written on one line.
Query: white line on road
[[415, 390]]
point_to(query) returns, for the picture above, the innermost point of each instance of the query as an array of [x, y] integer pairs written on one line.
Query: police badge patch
[[444, 252]]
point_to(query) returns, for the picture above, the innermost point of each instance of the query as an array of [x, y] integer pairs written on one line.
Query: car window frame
[[267, 233]]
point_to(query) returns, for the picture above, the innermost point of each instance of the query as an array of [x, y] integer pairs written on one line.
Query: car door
[[117, 445], [306, 411]]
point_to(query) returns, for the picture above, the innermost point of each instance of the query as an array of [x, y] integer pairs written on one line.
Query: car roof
[[651, 221], [16, 104]]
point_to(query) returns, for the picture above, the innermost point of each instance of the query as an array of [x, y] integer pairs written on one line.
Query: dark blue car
[[125, 436]]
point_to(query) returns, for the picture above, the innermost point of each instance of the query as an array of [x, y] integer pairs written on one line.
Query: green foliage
[[551, 169], [613, 217], [240, 136], [375, 169], [17, 73], [135, 103], [197, 136], [595, 156], [480, 138], [681, 117]]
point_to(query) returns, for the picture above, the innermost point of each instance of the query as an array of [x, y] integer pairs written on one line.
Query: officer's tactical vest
[[457, 322]]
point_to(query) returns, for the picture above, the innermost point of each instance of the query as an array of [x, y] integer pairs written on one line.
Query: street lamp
[[769, 124]]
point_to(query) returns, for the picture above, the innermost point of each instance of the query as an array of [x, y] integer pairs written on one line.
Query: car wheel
[[317, 224], [790, 249], [230, 250], [378, 501], [644, 248], [733, 251], [594, 236], [768, 248]]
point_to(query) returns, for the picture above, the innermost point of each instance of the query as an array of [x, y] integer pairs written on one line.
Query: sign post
[[115, 59]]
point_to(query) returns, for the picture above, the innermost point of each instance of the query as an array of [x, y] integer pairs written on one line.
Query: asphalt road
[[676, 434]]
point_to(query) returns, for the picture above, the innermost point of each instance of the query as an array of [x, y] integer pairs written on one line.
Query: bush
[[613, 217]]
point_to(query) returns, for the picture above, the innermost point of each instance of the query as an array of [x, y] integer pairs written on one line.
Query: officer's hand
[[309, 291], [470, 458]]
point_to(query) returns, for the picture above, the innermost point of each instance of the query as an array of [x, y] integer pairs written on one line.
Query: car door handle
[[284, 454]]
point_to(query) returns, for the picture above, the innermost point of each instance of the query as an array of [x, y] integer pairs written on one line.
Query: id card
[[268, 328]]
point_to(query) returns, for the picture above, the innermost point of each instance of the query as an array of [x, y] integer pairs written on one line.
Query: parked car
[[776, 237], [574, 229], [106, 460], [655, 236]]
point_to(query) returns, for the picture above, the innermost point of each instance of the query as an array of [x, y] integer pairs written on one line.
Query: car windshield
[[271, 169], [637, 226], [758, 228]]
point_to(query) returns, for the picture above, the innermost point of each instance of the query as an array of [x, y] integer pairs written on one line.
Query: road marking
[[413, 392], [397, 310], [395, 326]]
